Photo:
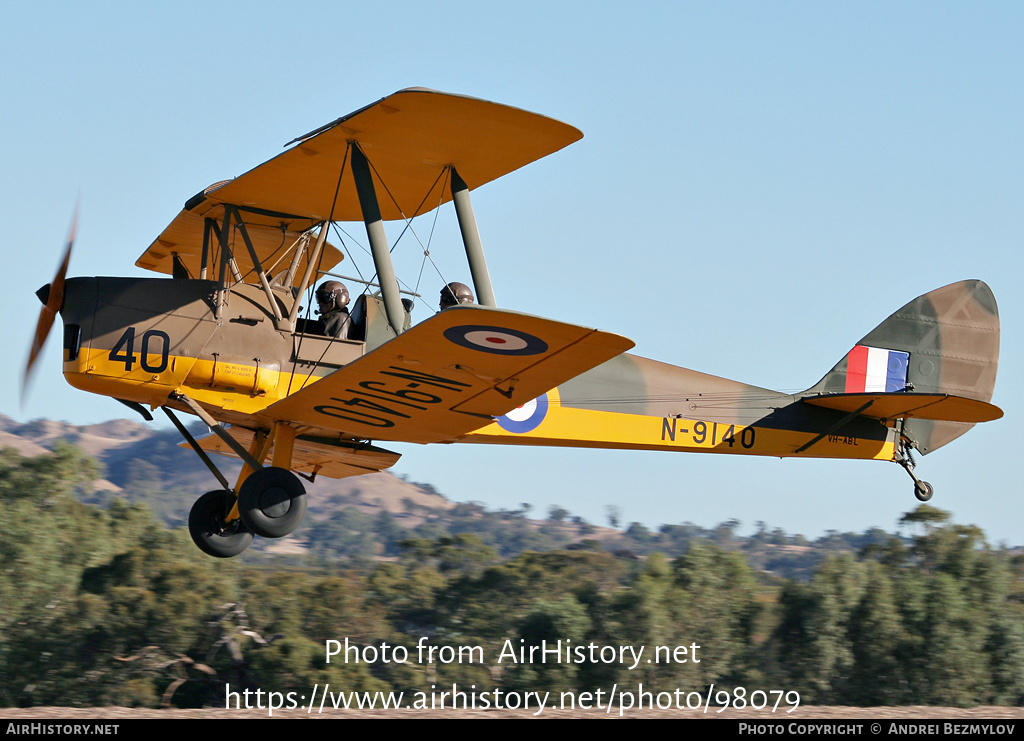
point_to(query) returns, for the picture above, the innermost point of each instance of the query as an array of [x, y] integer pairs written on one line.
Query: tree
[[954, 645], [720, 610], [812, 643], [557, 514], [926, 516], [876, 636], [562, 623]]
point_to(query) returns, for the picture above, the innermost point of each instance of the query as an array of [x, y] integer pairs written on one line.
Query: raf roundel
[[497, 340], [526, 417]]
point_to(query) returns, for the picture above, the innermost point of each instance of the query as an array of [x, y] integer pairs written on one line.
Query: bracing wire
[[408, 227]]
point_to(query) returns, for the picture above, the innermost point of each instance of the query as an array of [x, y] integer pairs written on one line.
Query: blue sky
[[759, 185]]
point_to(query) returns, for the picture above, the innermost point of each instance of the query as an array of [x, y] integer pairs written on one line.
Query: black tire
[[272, 502], [923, 490], [207, 528]]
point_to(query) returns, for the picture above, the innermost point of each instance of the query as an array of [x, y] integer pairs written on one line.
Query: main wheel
[[923, 490], [272, 502], [208, 530]]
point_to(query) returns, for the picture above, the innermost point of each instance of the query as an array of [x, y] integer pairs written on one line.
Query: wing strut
[[310, 265], [471, 239], [378, 240]]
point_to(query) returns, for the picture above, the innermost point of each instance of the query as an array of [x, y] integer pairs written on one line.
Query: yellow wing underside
[[322, 457]]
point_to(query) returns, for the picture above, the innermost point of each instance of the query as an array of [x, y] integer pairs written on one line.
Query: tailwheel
[[272, 502], [210, 531], [923, 490]]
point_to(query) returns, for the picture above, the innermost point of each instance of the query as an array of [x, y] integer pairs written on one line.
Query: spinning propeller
[[52, 296]]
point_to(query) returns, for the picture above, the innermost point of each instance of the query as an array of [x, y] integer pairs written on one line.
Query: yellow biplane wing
[[311, 455], [410, 139], [448, 376], [272, 236]]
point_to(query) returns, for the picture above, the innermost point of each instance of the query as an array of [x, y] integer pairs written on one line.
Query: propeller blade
[[51, 307]]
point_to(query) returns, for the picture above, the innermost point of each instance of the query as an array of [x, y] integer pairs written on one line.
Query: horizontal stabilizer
[[937, 407], [322, 456]]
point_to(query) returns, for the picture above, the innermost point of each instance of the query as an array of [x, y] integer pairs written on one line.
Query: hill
[[139, 460], [143, 464], [372, 516]]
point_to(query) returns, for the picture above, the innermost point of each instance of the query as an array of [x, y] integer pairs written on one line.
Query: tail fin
[[944, 342]]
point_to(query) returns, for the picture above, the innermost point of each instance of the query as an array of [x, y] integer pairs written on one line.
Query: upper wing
[[272, 237], [409, 138], [448, 375]]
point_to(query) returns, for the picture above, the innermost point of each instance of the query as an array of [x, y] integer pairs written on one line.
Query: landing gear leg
[[922, 489], [272, 501]]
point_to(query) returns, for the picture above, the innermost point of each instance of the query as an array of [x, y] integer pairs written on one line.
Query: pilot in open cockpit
[[454, 294], [332, 298]]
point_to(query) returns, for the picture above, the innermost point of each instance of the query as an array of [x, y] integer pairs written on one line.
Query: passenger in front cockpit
[[454, 294], [332, 298]]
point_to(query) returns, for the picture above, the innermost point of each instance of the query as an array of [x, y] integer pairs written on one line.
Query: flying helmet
[[332, 295], [454, 294]]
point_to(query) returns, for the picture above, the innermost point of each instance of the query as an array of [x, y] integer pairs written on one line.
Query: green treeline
[[109, 607]]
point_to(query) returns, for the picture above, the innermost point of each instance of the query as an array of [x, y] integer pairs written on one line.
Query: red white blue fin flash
[[873, 370]]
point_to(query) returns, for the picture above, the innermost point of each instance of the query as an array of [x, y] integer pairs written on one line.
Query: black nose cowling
[[44, 293]]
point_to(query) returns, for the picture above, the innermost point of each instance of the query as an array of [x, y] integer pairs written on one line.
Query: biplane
[[225, 337]]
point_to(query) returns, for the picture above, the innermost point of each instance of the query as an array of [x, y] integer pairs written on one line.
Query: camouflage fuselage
[[143, 339]]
